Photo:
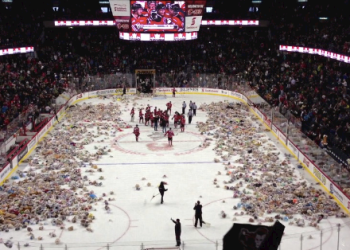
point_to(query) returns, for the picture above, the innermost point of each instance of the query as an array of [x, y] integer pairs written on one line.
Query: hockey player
[[137, 19], [150, 6], [140, 116], [157, 17], [155, 120], [176, 119], [132, 114], [166, 118], [151, 118], [163, 124], [176, 18], [168, 107], [147, 117], [137, 132], [162, 189], [170, 134], [182, 123], [174, 90]]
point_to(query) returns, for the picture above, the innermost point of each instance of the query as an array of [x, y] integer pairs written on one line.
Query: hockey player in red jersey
[[168, 107], [170, 134], [137, 19], [151, 117], [174, 90], [166, 118], [132, 114], [174, 17], [137, 132], [150, 6], [156, 19], [147, 117], [140, 116], [176, 118], [182, 123]]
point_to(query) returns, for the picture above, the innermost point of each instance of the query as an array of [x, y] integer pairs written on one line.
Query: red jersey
[[137, 23], [183, 120], [136, 131], [169, 105], [170, 133], [132, 112], [166, 117], [140, 113], [174, 90], [176, 118]]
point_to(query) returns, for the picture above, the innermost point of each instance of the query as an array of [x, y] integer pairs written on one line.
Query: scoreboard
[[168, 16]]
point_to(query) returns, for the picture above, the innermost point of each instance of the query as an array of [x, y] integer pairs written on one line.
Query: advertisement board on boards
[[32, 143], [5, 172]]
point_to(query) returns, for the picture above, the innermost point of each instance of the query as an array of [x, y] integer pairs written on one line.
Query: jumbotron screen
[[168, 16]]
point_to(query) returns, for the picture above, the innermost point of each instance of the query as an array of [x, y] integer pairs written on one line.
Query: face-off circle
[[156, 143]]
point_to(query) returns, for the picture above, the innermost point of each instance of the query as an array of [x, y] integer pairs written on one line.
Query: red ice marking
[[156, 146], [127, 229], [323, 242], [316, 247], [59, 237]]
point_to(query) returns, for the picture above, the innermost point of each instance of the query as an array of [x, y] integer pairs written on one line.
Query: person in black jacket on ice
[[177, 231], [162, 189], [198, 214]]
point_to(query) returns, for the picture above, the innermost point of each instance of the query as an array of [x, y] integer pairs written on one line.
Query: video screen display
[[158, 16]]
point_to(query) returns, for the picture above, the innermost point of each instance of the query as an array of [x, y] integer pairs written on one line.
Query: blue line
[[154, 163]]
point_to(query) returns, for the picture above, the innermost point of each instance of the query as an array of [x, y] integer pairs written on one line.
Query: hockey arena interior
[[193, 124]]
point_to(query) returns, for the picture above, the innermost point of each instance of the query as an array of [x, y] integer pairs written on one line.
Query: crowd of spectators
[[311, 88]]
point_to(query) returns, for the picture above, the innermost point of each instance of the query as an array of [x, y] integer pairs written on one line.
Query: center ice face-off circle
[[154, 142]]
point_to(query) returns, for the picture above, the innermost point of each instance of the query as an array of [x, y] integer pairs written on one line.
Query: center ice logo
[[156, 136]]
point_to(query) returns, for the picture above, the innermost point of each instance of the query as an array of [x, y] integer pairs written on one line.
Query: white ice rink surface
[[135, 219]]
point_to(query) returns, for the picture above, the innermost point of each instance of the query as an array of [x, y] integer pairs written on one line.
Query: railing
[[286, 127], [308, 240]]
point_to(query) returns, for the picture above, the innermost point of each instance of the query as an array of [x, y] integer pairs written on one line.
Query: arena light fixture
[[69, 23], [158, 37], [315, 51], [19, 50]]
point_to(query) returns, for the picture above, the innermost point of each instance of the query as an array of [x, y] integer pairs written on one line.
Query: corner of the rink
[[301, 163]]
